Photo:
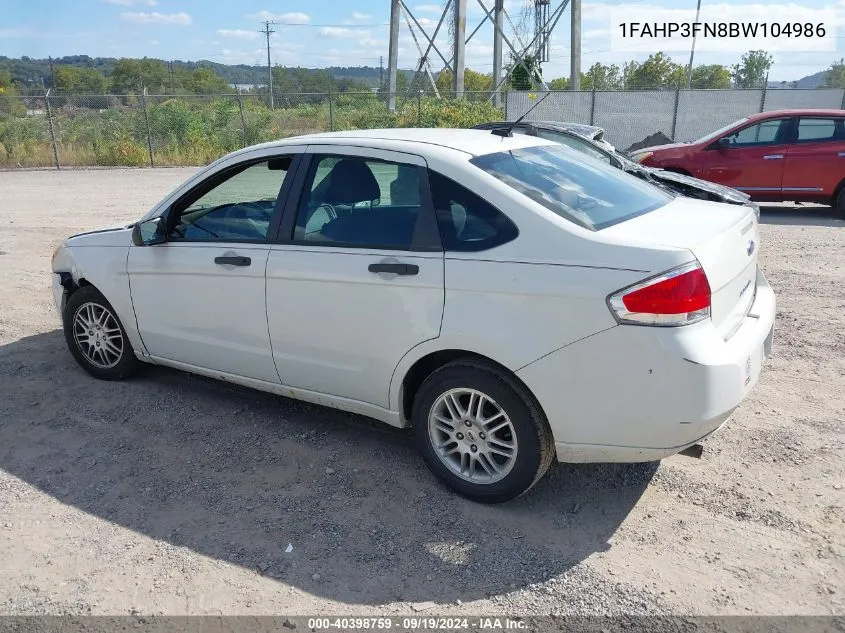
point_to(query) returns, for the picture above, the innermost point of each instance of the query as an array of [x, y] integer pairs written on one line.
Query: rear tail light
[[677, 297]]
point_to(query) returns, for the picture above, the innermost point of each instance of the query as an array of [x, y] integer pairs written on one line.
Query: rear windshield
[[574, 186]]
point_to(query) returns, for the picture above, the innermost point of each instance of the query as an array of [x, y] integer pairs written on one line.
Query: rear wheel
[[95, 336], [481, 432], [839, 203]]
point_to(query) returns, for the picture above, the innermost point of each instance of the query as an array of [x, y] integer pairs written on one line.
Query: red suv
[[774, 156]]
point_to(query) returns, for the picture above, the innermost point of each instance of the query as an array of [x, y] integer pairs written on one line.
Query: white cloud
[[129, 3], [337, 31], [428, 8], [357, 15], [154, 42], [369, 42], [179, 19], [240, 34], [286, 18]]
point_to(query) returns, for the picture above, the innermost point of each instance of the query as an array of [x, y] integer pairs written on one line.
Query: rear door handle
[[233, 261], [773, 157], [398, 269]]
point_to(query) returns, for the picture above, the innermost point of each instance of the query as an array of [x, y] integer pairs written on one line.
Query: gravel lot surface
[[174, 494]]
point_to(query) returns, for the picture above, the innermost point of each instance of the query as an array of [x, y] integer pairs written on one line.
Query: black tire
[[535, 447], [839, 203], [126, 364]]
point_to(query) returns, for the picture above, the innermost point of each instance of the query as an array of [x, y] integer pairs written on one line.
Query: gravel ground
[[173, 494]]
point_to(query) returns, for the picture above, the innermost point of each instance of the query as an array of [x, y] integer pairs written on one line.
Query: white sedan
[[510, 300]]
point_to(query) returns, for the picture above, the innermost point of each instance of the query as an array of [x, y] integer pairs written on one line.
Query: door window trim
[[218, 178], [426, 238], [785, 134], [838, 127]]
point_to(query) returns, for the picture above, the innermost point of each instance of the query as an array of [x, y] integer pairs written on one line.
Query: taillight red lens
[[688, 292]]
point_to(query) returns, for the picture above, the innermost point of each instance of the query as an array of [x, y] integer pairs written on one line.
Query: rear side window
[[588, 193], [466, 221], [812, 130]]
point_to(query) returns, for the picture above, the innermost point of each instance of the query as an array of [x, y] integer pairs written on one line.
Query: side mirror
[[723, 143], [149, 233]]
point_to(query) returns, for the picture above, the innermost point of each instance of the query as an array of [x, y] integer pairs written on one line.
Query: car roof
[[473, 142], [772, 114], [579, 128]]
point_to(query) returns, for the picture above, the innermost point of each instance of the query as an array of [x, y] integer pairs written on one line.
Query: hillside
[[29, 72]]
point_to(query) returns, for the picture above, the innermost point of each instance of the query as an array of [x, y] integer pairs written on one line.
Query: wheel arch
[[413, 377]]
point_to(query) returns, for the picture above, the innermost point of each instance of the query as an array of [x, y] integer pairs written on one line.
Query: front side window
[[466, 221], [353, 201], [763, 133], [587, 193], [234, 206], [815, 130]]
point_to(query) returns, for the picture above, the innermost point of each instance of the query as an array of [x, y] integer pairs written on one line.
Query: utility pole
[[575, 44], [267, 30], [381, 71], [498, 10], [172, 87], [52, 73], [459, 54], [393, 55], [692, 50]]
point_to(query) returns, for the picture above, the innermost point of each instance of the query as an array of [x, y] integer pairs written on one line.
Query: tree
[[658, 71], [752, 70], [74, 80], [523, 78], [712, 77], [204, 81], [6, 87], [559, 83], [601, 77], [474, 81], [132, 75], [835, 75]]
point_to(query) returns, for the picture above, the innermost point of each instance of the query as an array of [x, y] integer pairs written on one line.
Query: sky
[[318, 33]]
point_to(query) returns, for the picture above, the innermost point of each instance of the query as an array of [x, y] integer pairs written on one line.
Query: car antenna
[[507, 131]]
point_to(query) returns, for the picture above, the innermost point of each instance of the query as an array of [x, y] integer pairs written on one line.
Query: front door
[[753, 161], [359, 282], [199, 297]]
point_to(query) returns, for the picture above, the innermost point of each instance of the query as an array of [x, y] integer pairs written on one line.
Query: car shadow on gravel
[[237, 475], [800, 215]]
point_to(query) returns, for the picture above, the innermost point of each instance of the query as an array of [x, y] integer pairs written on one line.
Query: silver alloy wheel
[[98, 335], [472, 435]]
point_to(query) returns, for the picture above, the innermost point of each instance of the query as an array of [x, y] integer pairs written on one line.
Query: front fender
[[103, 267]]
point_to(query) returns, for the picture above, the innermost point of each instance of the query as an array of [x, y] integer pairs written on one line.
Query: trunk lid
[[723, 238]]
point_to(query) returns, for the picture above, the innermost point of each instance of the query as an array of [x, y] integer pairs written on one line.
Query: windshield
[[719, 132], [589, 193]]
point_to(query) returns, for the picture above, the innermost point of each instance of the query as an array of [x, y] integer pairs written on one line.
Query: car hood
[[660, 148], [118, 235], [670, 177]]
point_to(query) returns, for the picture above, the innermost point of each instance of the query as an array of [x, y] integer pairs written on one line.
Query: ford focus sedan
[[510, 302]]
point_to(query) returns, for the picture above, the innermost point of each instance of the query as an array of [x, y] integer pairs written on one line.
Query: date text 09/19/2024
[[416, 623]]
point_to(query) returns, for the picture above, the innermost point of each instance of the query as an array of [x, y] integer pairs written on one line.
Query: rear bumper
[[641, 393]]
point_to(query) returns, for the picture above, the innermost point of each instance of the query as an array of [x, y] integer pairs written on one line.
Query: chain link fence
[[160, 130], [630, 116]]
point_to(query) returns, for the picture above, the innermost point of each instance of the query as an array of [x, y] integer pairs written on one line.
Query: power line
[[267, 31]]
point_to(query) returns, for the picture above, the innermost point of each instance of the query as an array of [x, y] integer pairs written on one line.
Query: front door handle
[[233, 261], [773, 157], [398, 269], [841, 154]]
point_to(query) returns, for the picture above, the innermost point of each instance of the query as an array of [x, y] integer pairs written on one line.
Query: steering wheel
[[246, 205]]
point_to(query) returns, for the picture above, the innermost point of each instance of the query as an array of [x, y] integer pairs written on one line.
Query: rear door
[[815, 163], [357, 278], [754, 159]]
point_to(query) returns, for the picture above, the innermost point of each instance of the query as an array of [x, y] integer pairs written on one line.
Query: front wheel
[[481, 432], [95, 336]]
